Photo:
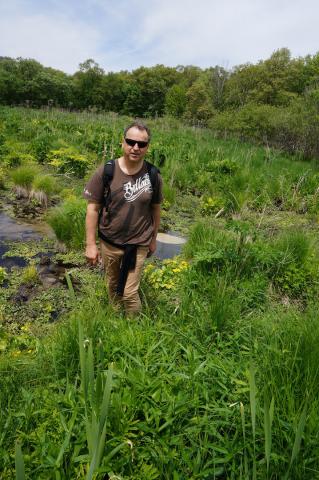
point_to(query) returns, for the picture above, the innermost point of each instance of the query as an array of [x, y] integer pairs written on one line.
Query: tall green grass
[[175, 402], [191, 160], [218, 378], [24, 176], [68, 222]]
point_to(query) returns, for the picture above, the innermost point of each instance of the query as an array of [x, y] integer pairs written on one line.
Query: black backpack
[[108, 174]]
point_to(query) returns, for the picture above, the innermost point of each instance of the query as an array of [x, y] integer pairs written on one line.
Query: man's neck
[[130, 168]]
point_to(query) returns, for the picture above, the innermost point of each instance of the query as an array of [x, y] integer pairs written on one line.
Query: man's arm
[[92, 215], [156, 214]]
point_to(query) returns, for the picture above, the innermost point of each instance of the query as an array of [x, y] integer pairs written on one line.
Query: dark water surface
[[11, 230], [14, 231]]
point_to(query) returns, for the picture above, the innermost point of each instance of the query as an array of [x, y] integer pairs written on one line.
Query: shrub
[[169, 193], [2, 179], [166, 276], [104, 145], [3, 146], [295, 268], [68, 222], [16, 159], [211, 249], [43, 187], [291, 247], [68, 160], [3, 275], [211, 205], [67, 194], [251, 122], [30, 275], [157, 154], [41, 146], [23, 176], [252, 292], [225, 166], [46, 184], [294, 281], [2, 139]]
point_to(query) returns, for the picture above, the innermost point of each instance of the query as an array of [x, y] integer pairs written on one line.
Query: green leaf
[[19, 462]]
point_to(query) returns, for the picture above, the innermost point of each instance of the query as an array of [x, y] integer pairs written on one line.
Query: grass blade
[[67, 439], [268, 418], [83, 365], [90, 374], [19, 462], [298, 437], [106, 397], [70, 286], [100, 427], [252, 398], [243, 423]]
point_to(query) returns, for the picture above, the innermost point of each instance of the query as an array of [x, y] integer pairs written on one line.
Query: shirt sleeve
[[94, 189], [158, 196]]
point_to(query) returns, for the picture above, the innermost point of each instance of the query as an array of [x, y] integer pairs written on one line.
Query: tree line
[[254, 101]]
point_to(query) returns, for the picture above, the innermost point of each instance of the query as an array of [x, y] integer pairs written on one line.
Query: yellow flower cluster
[[167, 275], [17, 353], [25, 327]]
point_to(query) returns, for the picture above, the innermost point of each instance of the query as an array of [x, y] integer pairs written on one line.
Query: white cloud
[[209, 32], [130, 33], [53, 40]]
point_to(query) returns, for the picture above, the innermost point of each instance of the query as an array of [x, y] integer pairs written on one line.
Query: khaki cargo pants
[[112, 257]]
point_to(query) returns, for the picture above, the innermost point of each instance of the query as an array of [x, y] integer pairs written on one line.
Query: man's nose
[[136, 147]]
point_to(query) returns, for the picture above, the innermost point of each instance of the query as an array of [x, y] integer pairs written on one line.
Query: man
[[128, 220]]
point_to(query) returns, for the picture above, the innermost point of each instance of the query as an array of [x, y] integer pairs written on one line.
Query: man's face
[[135, 153]]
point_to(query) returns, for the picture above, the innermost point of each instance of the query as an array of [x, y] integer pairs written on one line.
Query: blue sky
[[125, 34]]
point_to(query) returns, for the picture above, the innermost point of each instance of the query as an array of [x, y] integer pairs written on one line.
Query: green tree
[[114, 88], [188, 75], [10, 82], [175, 101], [152, 85], [200, 101], [134, 103], [275, 81], [88, 84]]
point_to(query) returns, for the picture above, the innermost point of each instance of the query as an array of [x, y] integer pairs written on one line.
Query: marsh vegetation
[[218, 378]]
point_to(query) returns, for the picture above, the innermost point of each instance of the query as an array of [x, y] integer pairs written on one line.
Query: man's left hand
[[152, 247]]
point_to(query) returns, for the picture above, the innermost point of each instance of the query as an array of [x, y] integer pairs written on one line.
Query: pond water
[[168, 244], [13, 231]]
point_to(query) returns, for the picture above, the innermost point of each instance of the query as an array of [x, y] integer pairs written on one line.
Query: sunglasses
[[132, 143]]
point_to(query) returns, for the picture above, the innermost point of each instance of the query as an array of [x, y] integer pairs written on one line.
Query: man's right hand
[[92, 254]]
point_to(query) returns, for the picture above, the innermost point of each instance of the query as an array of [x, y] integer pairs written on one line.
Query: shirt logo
[[133, 191]]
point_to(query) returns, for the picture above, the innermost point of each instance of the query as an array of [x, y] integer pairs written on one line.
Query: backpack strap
[[107, 177], [153, 173]]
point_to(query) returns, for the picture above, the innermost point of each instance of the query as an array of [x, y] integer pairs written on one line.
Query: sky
[[125, 34]]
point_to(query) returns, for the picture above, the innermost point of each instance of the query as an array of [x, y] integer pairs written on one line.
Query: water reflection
[[168, 245]]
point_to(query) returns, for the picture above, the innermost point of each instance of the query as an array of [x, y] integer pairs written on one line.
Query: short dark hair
[[140, 126]]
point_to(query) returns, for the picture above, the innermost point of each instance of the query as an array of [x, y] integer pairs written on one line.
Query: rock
[[22, 295], [49, 280], [45, 260]]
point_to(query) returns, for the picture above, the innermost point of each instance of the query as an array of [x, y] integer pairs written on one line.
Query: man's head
[[140, 126], [136, 141]]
